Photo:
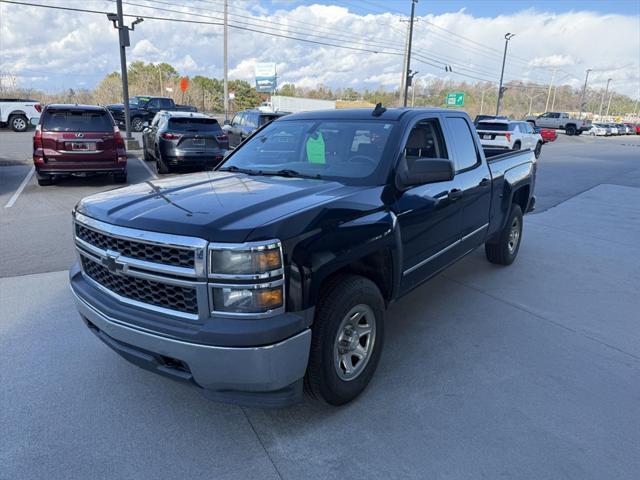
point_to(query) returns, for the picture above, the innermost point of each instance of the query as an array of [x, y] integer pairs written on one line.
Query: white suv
[[509, 135], [18, 113]]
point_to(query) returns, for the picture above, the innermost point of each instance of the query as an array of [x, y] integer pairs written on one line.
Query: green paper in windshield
[[315, 149]]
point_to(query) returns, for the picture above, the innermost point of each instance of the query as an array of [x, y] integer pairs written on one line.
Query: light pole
[[531, 99], [407, 67], [123, 34], [507, 37], [584, 91], [225, 81], [609, 104], [604, 94], [553, 76]]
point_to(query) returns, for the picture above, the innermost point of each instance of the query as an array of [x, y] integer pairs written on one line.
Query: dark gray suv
[[246, 122], [184, 139]]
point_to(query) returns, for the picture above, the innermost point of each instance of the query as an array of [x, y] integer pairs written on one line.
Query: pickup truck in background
[[560, 121], [19, 113], [273, 272], [143, 108]]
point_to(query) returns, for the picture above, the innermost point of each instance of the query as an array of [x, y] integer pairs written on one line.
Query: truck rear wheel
[[18, 123], [137, 125], [570, 129], [347, 339], [503, 250]]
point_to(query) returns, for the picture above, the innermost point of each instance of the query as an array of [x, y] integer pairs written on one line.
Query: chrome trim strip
[[248, 286], [75, 152], [444, 250], [253, 276]]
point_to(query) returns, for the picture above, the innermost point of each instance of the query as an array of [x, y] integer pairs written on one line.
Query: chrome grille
[[140, 250], [173, 297]]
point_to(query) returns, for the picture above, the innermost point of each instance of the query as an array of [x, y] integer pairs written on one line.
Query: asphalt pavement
[[528, 371]]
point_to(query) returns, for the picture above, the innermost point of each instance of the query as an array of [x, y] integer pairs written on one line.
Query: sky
[[461, 40]]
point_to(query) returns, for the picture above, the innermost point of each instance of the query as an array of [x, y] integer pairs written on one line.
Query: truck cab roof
[[391, 114]]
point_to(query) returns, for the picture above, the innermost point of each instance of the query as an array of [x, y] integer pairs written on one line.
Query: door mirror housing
[[423, 170]]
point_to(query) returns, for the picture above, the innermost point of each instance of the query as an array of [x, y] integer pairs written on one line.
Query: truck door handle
[[455, 194], [484, 182]]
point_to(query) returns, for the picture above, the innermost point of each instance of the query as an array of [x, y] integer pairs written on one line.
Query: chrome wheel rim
[[354, 342], [19, 123], [514, 235]]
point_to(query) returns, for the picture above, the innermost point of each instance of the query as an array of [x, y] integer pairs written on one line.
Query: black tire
[[120, 177], [516, 146], [137, 124], [502, 250], [344, 294], [18, 123], [44, 180], [538, 150], [570, 129], [162, 167]]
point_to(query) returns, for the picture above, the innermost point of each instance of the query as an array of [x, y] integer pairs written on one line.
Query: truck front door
[[429, 215]]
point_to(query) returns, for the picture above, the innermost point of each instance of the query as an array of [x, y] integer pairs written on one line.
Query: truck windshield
[[348, 151]]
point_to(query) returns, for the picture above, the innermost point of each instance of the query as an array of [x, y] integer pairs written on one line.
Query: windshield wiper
[[235, 169], [287, 172]]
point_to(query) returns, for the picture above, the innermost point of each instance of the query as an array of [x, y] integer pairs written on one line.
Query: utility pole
[[123, 37], [403, 80], [226, 62], [584, 91], [407, 69], [609, 104], [553, 101], [507, 37], [553, 76], [604, 94]]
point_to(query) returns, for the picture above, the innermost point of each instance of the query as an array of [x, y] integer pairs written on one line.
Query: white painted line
[[17, 193], [144, 164]]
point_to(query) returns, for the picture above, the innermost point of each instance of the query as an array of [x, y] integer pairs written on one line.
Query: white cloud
[[78, 48]]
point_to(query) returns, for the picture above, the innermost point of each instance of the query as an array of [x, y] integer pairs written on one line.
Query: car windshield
[[76, 120], [138, 101], [188, 124], [348, 151]]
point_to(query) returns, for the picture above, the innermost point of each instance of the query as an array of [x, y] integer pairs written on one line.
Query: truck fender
[[372, 236], [515, 178]]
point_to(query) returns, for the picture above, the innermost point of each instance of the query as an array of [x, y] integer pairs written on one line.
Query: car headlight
[[247, 279], [253, 260]]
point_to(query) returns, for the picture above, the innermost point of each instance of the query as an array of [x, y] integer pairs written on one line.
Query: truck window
[[153, 104], [251, 120], [165, 103], [425, 141], [466, 153]]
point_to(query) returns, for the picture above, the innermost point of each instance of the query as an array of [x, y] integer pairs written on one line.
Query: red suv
[[78, 139]]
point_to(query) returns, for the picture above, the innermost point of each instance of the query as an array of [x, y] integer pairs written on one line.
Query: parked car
[[637, 129], [627, 128], [275, 270], [19, 113], [631, 128], [561, 121], [597, 129], [613, 128], [509, 135], [480, 118], [547, 134], [143, 108], [78, 140], [184, 139], [246, 122]]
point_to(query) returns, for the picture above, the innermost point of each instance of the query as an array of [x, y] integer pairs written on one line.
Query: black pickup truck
[[273, 272], [143, 108]]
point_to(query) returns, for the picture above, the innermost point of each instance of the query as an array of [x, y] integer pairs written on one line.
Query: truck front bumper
[[266, 376]]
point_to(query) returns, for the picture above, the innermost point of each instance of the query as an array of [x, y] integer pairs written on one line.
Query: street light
[[584, 90], [507, 37]]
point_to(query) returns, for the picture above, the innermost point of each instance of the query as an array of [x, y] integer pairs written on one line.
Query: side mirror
[[227, 122], [34, 121], [424, 170], [146, 129]]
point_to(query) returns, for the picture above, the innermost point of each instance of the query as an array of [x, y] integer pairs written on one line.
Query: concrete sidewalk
[[529, 371]]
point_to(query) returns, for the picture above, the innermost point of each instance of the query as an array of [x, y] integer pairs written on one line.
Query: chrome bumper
[[219, 369]]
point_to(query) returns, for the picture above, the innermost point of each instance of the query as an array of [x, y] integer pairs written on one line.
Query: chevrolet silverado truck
[[271, 274], [560, 121], [19, 113], [143, 108]]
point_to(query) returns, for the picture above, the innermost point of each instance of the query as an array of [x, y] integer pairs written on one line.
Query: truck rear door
[[429, 215], [472, 179]]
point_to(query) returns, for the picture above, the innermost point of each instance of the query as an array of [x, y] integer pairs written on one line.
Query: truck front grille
[[166, 255], [173, 297]]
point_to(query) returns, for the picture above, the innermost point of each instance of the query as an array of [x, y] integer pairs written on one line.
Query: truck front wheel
[[18, 123], [347, 339], [504, 248], [570, 129]]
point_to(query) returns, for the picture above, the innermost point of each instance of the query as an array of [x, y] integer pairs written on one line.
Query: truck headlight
[[235, 299], [253, 260]]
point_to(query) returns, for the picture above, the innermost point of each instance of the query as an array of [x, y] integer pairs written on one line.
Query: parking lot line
[[144, 164], [17, 193]]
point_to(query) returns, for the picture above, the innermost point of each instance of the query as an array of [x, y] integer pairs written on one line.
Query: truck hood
[[216, 206]]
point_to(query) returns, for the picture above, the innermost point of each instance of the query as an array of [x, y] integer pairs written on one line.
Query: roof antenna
[[379, 110]]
